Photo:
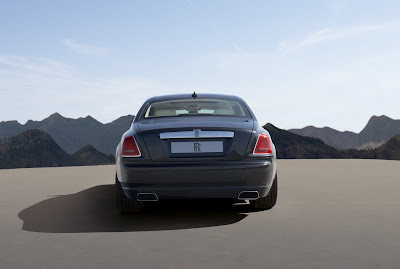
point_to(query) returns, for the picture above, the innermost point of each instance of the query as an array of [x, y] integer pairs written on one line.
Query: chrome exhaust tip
[[147, 197], [248, 195]]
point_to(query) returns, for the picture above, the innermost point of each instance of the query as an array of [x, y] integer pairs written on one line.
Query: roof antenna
[[194, 95]]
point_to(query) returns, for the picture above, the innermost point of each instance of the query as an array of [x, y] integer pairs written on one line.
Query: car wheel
[[124, 204], [269, 201]]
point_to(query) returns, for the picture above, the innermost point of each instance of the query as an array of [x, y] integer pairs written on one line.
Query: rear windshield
[[195, 107]]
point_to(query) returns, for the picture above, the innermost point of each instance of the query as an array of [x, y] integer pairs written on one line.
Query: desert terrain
[[329, 214]]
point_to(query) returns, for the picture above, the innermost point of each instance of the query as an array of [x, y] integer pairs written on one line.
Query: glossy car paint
[[204, 175]]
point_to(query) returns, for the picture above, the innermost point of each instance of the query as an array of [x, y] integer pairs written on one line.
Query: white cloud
[[30, 90], [241, 50], [35, 65], [331, 34], [279, 90], [84, 48], [335, 34], [345, 92]]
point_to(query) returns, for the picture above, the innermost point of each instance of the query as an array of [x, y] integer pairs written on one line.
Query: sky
[[296, 63]]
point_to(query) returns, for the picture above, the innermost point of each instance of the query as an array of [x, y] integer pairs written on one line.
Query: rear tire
[[269, 201], [124, 204]]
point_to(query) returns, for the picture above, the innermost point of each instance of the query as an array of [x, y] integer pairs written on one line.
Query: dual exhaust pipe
[[146, 197], [248, 195], [152, 197]]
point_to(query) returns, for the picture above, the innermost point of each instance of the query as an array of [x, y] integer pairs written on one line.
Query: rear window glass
[[195, 107]]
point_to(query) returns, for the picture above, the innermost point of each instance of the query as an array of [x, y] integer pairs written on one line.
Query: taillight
[[130, 148], [263, 145]]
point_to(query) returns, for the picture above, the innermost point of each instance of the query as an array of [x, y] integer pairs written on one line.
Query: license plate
[[197, 147]]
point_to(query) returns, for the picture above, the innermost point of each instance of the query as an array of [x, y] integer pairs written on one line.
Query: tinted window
[[195, 107]]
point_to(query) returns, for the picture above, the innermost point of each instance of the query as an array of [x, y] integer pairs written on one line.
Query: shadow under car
[[94, 210]]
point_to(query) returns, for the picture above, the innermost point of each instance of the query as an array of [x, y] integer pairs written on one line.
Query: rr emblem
[[196, 132], [197, 147]]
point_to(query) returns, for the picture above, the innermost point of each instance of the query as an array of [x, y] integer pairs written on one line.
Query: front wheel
[[269, 201]]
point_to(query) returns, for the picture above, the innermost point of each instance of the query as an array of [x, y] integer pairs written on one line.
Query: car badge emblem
[[197, 147], [196, 132]]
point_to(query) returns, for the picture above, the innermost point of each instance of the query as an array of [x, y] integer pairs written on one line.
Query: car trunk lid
[[202, 138]]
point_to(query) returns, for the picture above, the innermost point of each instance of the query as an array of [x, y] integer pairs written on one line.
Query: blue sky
[[297, 63]]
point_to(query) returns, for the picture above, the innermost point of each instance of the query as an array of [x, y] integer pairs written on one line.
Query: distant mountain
[[292, 146], [89, 155], [377, 131], [32, 148], [35, 148], [332, 137], [73, 134], [390, 150]]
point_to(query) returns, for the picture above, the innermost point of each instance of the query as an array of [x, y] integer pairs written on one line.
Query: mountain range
[[85, 141], [73, 134], [35, 148], [378, 130], [293, 146]]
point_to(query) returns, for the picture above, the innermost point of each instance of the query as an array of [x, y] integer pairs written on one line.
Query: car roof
[[189, 95], [199, 95]]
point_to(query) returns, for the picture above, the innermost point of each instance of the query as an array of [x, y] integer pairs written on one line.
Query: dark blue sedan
[[194, 146]]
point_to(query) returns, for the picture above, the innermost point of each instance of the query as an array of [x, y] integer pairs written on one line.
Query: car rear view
[[192, 147]]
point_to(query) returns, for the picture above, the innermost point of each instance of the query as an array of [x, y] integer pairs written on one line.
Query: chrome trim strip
[[261, 155], [144, 193], [258, 196], [197, 133]]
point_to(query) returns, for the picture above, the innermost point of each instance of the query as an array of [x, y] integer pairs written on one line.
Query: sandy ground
[[330, 214]]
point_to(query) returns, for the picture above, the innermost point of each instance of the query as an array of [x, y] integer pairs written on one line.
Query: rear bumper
[[192, 180]]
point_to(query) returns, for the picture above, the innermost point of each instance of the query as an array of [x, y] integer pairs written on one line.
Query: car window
[[195, 107]]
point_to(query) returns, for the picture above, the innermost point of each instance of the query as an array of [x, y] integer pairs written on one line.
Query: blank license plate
[[197, 147]]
